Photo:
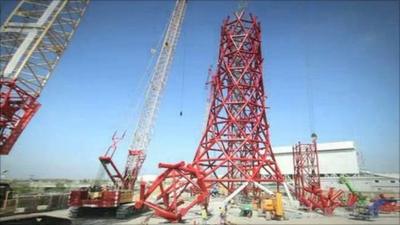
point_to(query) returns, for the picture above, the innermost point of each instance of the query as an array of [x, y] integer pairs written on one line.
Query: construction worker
[[222, 216], [204, 215]]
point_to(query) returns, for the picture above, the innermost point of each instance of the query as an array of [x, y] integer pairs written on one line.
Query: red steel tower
[[307, 183], [306, 169], [235, 146]]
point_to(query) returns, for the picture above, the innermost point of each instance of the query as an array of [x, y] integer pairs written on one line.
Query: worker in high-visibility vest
[[204, 215], [222, 216]]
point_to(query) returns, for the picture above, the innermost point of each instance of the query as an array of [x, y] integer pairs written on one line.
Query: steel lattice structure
[[170, 186], [32, 40], [306, 167], [235, 146], [307, 183], [120, 196]]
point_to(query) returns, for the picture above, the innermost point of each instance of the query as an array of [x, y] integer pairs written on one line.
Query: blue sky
[[346, 52]]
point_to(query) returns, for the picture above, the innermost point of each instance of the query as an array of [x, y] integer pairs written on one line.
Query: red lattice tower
[[235, 146], [306, 168], [307, 183]]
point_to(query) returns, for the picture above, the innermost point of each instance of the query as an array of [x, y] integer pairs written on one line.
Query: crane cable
[[140, 85], [147, 74], [242, 5], [308, 76], [310, 97], [136, 97], [182, 92]]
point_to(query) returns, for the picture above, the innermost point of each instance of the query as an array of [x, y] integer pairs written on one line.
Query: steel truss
[[171, 185], [235, 146], [307, 180], [235, 150], [32, 40]]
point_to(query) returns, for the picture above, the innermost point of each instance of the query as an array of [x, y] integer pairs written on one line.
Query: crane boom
[[143, 132], [32, 40], [345, 181]]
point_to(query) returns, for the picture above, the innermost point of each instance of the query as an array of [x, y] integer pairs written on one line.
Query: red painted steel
[[172, 185], [235, 146], [307, 180], [350, 201], [121, 180], [110, 196], [80, 198], [17, 108], [108, 164]]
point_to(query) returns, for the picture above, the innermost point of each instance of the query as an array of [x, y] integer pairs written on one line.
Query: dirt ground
[[193, 217]]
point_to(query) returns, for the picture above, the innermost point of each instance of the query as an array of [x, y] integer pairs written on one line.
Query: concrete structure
[[365, 182], [334, 158]]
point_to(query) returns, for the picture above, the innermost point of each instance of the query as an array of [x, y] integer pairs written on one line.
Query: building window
[[376, 181], [392, 181]]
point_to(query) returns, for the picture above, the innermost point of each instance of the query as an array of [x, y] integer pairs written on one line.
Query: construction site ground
[[293, 216]]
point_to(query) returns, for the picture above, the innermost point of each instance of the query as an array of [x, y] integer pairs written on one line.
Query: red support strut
[[17, 108], [171, 186], [307, 180]]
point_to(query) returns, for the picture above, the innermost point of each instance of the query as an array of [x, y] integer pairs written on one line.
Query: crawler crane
[[120, 195]]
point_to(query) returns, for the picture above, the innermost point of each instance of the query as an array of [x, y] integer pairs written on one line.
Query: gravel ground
[[193, 217]]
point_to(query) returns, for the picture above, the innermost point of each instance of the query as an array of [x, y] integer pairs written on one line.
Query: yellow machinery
[[272, 207]]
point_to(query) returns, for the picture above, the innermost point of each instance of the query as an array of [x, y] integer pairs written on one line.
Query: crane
[[354, 197], [32, 41], [120, 195], [144, 130]]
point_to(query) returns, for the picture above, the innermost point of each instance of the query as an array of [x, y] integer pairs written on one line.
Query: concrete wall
[[365, 183]]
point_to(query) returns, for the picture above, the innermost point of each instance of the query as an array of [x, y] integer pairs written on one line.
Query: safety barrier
[[33, 203]]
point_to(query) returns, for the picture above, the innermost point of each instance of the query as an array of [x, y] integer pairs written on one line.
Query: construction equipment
[[391, 206], [272, 207], [32, 41], [245, 205], [354, 197], [120, 195], [365, 212], [307, 180], [246, 209]]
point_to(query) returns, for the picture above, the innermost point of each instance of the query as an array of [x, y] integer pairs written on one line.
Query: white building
[[340, 158], [334, 158]]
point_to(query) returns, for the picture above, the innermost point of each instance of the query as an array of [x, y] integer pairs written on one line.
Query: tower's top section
[[242, 5]]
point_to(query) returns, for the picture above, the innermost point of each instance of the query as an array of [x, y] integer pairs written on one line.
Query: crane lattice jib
[[143, 132], [32, 40]]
